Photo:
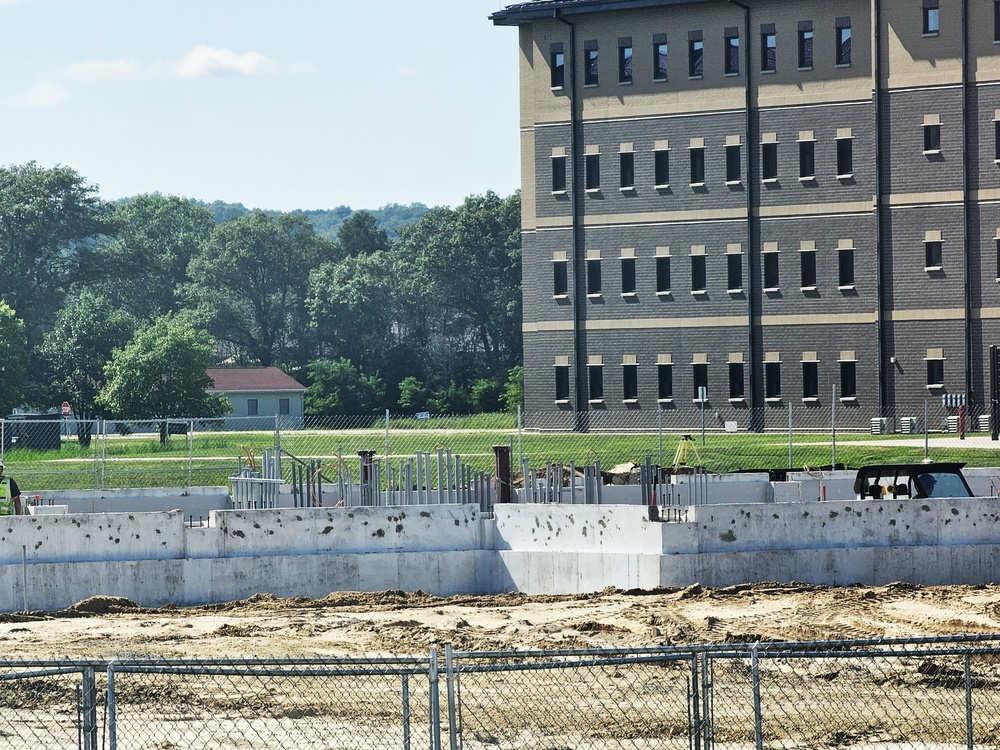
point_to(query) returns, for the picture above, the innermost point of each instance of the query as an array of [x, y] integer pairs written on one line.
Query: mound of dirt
[[103, 605]]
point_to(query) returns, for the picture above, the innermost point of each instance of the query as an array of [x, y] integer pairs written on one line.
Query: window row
[[729, 60], [699, 269], [698, 385], [769, 158]]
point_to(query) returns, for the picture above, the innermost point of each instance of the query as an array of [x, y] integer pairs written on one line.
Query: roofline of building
[[515, 15]]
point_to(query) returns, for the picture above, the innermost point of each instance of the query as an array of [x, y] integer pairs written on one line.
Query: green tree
[[351, 310], [78, 348], [142, 266], [412, 394], [338, 387], [161, 374], [50, 220], [513, 391], [13, 359], [360, 234], [248, 285]]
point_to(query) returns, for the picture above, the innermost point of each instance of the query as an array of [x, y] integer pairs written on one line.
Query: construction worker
[[10, 495]]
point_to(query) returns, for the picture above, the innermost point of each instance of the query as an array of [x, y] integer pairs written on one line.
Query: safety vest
[[6, 502]]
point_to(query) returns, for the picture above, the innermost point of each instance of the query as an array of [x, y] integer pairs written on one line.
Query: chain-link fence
[[52, 454], [940, 693]]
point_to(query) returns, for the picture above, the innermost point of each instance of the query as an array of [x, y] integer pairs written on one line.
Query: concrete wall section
[[53, 586]]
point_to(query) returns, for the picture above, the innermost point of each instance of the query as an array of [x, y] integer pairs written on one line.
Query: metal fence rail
[[940, 693]]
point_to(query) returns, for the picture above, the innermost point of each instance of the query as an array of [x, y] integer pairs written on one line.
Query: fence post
[[659, 433], [706, 702], [695, 703], [790, 435], [190, 453], [449, 666], [435, 701], [833, 425], [520, 427], [112, 726], [88, 708], [926, 431], [758, 722], [406, 712], [386, 434], [968, 701]]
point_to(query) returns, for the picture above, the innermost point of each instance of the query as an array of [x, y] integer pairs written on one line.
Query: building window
[[630, 382], [768, 49], [594, 277], [805, 45], [560, 278], [625, 61], [663, 274], [807, 261], [845, 267], [737, 390], [595, 382], [700, 373], [935, 373], [810, 380], [661, 168], [772, 380], [698, 276], [996, 20], [807, 159], [732, 44], [590, 71], [562, 382], [848, 379], [932, 138], [696, 58], [734, 272], [734, 166], [592, 168], [996, 137], [628, 275], [998, 257], [932, 18], [698, 166], [557, 68], [932, 255], [770, 271], [664, 382], [626, 169], [284, 406], [558, 174], [843, 39], [251, 407], [769, 161], [845, 157], [659, 59]]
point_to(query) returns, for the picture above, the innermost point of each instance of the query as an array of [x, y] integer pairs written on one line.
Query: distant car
[[911, 480]]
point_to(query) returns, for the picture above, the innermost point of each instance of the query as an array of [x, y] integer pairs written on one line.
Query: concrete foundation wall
[[52, 561]]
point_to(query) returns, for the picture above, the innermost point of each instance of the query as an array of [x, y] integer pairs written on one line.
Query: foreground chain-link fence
[[925, 693], [52, 454]]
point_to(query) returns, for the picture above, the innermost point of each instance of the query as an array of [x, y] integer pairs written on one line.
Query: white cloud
[[200, 62], [40, 96]]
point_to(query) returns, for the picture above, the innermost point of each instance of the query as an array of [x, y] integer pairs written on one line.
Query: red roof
[[252, 379]]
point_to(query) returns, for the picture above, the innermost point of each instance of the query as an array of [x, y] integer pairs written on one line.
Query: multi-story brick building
[[779, 201]]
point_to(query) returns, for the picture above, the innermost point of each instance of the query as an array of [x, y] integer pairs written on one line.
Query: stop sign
[[65, 408]]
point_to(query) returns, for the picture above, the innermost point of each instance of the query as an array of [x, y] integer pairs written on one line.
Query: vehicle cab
[[919, 480]]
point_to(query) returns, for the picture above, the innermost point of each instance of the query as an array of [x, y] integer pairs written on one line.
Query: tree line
[[120, 307]]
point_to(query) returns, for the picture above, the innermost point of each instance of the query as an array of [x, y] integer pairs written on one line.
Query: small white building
[[260, 392]]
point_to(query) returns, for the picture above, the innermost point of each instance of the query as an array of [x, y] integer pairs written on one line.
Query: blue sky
[[277, 104]]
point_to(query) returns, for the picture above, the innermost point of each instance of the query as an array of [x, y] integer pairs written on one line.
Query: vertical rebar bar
[[790, 435], [440, 475]]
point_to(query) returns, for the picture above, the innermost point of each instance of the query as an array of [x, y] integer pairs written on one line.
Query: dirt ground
[[397, 623]]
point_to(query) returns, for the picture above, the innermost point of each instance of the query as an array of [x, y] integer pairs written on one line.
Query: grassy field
[[210, 458]]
